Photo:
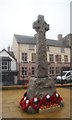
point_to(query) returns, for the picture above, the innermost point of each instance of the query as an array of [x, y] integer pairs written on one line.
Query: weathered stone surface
[[41, 55], [40, 87]]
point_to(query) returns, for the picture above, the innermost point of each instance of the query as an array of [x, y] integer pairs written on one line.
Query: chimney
[[8, 48], [59, 36]]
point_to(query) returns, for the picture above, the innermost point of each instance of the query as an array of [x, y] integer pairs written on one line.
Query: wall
[[57, 51], [52, 50], [25, 48], [15, 48]]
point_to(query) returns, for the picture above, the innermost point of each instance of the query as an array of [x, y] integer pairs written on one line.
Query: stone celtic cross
[[40, 85], [41, 54]]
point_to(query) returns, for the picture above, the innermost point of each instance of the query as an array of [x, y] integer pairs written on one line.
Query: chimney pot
[[8, 48], [59, 36]]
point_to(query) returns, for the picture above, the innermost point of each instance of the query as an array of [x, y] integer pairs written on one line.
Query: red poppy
[[21, 102], [57, 98], [35, 104], [47, 100], [24, 103]]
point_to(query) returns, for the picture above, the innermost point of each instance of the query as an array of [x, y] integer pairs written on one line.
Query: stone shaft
[[41, 55]]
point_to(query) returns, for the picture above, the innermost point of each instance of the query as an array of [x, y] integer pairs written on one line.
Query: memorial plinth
[[41, 89]]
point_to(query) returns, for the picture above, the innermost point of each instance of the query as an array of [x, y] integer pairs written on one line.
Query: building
[[58, 55], [8, 68], [71, 17]]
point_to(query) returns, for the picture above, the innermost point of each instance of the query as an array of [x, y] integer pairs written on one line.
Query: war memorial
[[41, 93]]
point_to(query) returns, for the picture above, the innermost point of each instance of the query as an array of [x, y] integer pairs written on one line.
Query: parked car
[[66, 76]]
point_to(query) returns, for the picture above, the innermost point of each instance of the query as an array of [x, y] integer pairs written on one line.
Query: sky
[[17, 16]]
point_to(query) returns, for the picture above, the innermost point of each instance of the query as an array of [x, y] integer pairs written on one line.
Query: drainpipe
[[19, 59], [70, 51]]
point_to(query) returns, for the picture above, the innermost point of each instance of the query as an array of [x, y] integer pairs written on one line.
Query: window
[[33, 71], [57, 70], [24, 57], [33, 57], [51, 70], [51, 58], [58, 58], [24, 70], [65, 58], [62, 50], [4, 65], [31, 47], [68, 74]]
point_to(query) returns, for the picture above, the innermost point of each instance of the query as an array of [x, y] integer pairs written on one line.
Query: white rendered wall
[[13, 62]]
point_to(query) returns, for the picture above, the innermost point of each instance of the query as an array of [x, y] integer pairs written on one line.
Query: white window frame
[[4, 65], [24, 71]]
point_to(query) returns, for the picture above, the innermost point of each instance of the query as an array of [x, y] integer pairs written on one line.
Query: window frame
[[24, 57], [57, 70], [66, 58], [51, 57], [33, 57], [5, 65], [58, 58], [51, 70], [24, 71], [33, 71]]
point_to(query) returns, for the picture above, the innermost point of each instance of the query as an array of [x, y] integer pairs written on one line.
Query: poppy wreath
[[35, 103], [23, 98], [47, 100], [25, 102], [57, 98], [21, 102]]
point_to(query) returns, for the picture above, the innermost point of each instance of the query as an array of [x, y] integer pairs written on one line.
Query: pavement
[[25, 86], [9, 103]]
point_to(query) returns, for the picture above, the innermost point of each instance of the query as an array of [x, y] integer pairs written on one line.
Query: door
[[7, 79]]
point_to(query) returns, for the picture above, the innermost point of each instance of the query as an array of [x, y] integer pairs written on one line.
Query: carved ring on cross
[[40, 24]]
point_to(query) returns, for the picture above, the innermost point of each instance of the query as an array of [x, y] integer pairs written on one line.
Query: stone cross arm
[[40, 24]]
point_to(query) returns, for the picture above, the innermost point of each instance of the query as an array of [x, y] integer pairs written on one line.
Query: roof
[[10, 53], [23, 39]]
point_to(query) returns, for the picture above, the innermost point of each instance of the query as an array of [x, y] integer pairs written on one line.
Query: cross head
[[40, 24]]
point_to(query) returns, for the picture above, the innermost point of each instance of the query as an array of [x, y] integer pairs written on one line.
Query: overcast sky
[[17, 16]]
